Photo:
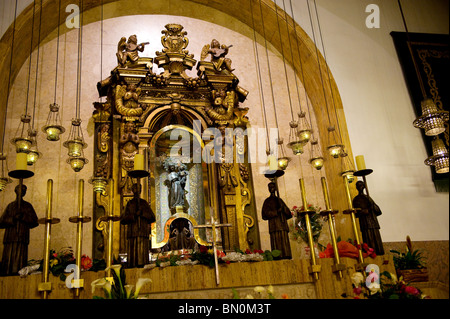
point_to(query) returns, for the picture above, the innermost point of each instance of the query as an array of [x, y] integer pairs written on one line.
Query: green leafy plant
[[411, 259], [408, 260]]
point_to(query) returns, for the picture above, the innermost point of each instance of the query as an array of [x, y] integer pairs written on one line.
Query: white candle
[[139, 162], [273, 163], [360, 163], [21, 161]]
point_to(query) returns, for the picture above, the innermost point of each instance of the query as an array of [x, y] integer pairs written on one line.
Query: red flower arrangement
[[86, 262]]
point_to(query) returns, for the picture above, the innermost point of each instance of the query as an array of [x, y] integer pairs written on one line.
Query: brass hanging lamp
[[336, 149], [295, 144], [33, 154], [432, 119], [75, 145], [75, 142], [22, 141], [347, 167], [53, 128], [283, 160], [440, 158], [316, 159]]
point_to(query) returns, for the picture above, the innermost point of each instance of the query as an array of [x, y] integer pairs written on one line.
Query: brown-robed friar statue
[[139, 217], [368, 222], [18, 218], [277, 213]]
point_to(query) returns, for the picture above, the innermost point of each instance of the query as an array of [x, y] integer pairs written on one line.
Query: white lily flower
[[259, 289], [129, 289], [141, 282], [99, 283]]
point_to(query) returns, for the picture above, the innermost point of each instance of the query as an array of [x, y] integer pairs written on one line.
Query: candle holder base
[[77, 219], [21, 174], [363, 172], [352, 210], [46, 220], [138, 173], [271, 174], [329, 212], [108, 218]]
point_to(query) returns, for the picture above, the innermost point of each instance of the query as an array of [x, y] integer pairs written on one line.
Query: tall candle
[[21, 161], [139, 162], [273, 163], [360, 164]]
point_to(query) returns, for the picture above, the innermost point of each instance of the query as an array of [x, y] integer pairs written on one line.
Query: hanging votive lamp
[[52, 127], [98, 184], [283, 160], [347, 167], [75, 143], [32, 157], [335, 149], [77, 163], [316, 159], [33, 154], [294, 143], [440, 159], [4, 178], [432, 120], [303, 131], [23, 142]]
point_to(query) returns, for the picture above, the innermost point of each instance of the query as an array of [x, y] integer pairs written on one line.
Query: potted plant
[[410, 265]]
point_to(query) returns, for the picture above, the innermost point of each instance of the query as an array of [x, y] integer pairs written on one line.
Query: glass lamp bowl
[[335, 150], [32, 157], [53, 132], [296, 146], [22, 144], [316, 162], [304, 136], [283, 162], [99, 184], [77, 163], [75, 147], [349, 175]]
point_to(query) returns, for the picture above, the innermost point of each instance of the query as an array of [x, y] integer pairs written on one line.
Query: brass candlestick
[[352, 211], [337, 267], [110, 218], [314, 269], [78, 283], [46, 286]]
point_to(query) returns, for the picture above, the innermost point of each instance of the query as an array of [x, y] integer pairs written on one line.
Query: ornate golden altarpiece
[[153, 114]]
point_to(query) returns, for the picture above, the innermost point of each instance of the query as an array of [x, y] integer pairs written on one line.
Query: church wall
[[53, 165]]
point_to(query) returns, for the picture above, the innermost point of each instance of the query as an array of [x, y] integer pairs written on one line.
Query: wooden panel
[[200, 278]]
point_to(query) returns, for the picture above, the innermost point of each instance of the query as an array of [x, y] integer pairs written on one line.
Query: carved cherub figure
[[127, 51], [127, 100], [218, 53]]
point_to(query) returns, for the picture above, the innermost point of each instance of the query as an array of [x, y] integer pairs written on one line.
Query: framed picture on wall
[[424, 59]]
